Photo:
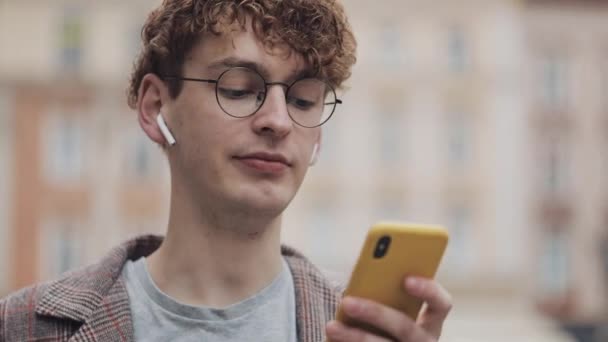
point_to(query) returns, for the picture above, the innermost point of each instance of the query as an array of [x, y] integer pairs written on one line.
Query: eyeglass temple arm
[[189, 79], [338, 101]]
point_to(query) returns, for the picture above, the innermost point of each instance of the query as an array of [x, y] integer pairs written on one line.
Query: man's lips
[[265, 162]]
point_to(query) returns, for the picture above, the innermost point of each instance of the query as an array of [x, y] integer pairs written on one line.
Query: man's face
[[252, 163]]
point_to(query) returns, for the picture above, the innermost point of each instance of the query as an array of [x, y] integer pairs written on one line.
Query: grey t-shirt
[[267, 316]]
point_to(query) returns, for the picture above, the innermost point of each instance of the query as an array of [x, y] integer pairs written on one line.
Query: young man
[[235, 92]]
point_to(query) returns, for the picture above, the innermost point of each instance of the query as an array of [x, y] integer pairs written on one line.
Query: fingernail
[[332, 329], [414, 283], [351, 305]]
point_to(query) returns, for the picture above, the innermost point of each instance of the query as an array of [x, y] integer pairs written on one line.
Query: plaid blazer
[[92, 304]]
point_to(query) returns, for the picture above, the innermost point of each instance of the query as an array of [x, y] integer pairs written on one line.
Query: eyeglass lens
[[241, 92]]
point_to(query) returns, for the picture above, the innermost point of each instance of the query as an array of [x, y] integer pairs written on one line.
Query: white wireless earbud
[[315, 155], [165, 130]]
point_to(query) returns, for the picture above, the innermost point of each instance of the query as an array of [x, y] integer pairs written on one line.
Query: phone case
[[414, 249]]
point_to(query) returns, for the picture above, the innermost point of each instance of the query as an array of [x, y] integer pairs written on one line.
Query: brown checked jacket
[[92, 304]]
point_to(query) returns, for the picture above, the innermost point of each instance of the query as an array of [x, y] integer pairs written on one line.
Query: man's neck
[[214, 263]]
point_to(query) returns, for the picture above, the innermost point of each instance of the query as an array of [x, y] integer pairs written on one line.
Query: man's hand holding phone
[[402, 328], [391, 295]]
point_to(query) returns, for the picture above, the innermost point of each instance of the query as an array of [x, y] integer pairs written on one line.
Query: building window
[[322, 233], [457, 50], [390, 48], [459, 138], [64, 247], [556, 169], [142, 160], [390, 136], [460, 251], [67, 251], [554, 80], [71, 40], [142, 156], [64, 148], [554, 263]]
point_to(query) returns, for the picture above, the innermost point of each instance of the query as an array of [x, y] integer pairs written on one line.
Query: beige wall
[[21, 22], [6, 141]]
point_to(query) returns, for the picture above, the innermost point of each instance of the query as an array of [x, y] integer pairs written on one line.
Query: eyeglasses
[[241, 92]]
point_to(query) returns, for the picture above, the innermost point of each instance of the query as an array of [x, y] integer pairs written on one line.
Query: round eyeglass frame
[[266, 85]]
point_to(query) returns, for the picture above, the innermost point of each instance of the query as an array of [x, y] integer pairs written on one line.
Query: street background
[[487, 116]]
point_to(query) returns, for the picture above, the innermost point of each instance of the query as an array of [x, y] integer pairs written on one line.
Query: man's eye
[[235, 93], [301, 103]]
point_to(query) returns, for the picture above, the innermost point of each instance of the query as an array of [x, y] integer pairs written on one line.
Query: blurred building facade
[[567, 88], [490, 117], [79, 175]]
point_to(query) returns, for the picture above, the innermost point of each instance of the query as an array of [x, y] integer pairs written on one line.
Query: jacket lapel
[[316, 298], [110, 321], [96, 296]]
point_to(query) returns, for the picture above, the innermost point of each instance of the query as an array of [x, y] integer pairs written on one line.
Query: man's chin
[[267, 207], [262, 203]]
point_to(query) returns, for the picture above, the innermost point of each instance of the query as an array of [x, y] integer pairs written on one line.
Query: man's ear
[[152, 92]]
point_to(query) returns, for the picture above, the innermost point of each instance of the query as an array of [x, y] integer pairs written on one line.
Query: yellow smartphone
[[392, 251]]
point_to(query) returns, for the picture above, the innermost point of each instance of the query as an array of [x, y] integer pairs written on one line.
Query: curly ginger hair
[[318, 30]]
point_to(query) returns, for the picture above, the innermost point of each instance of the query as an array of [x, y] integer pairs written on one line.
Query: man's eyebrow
[[231, 62], [304, 73]]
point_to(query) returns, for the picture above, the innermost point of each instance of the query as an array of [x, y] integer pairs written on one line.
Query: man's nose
[[273, 118]]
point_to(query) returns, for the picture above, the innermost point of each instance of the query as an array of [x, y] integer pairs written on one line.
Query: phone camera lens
[[382, 247]]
